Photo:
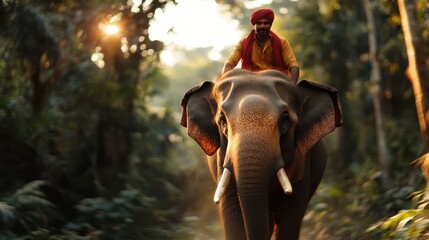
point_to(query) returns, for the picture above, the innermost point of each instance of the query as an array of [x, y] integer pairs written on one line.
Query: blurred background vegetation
[[90, 142]]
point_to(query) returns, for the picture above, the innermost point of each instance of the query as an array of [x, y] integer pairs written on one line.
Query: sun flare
[[111, 29]]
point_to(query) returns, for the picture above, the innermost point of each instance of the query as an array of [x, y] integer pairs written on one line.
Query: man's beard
[[262, 32]]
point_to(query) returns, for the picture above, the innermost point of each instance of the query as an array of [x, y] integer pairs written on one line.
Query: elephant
[[263, 137]]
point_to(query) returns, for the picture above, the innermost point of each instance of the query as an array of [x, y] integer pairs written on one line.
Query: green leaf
[[7, 213], [403, 222]]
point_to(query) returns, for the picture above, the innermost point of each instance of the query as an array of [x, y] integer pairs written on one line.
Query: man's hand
[[294, 74]]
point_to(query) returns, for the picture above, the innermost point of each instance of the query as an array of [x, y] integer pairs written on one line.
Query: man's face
[[262, 27]]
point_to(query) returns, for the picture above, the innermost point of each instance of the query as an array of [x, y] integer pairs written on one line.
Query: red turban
[[262, 13]]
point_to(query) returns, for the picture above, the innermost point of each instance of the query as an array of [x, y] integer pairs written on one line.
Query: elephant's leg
[[319, 157], [230, 212], [290, 210], [273, 226]]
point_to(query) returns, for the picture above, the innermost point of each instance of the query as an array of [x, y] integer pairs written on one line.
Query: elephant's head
[[263, 124]]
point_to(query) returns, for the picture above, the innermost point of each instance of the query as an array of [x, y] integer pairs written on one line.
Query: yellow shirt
[[262, 58]]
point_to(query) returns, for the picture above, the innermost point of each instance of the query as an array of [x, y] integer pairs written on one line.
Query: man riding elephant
[[263, 135], [262, 49]]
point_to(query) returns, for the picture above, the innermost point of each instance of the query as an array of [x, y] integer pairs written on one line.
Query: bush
[[411, 223]]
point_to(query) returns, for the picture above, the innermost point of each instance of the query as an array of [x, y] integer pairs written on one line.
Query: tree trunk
[[38, 98], [384, 155], [418, 71], [113, 151]]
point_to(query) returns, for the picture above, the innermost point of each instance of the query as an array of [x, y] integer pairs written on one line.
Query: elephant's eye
[[222, 123], [285, 121]]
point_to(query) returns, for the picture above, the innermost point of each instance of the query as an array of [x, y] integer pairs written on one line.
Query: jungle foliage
[[82, 153], [90, 143]]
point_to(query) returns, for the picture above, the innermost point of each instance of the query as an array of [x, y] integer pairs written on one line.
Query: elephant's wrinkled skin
[[254, 124]]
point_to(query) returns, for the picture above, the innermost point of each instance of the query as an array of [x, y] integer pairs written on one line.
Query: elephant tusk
[[284, 181], [223, 183]]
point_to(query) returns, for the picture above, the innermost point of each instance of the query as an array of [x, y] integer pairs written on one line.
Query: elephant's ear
[[198, 117], [321, 114]]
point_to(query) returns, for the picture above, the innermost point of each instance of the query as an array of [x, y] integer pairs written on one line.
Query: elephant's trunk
[[256, 217], [252, 184]]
